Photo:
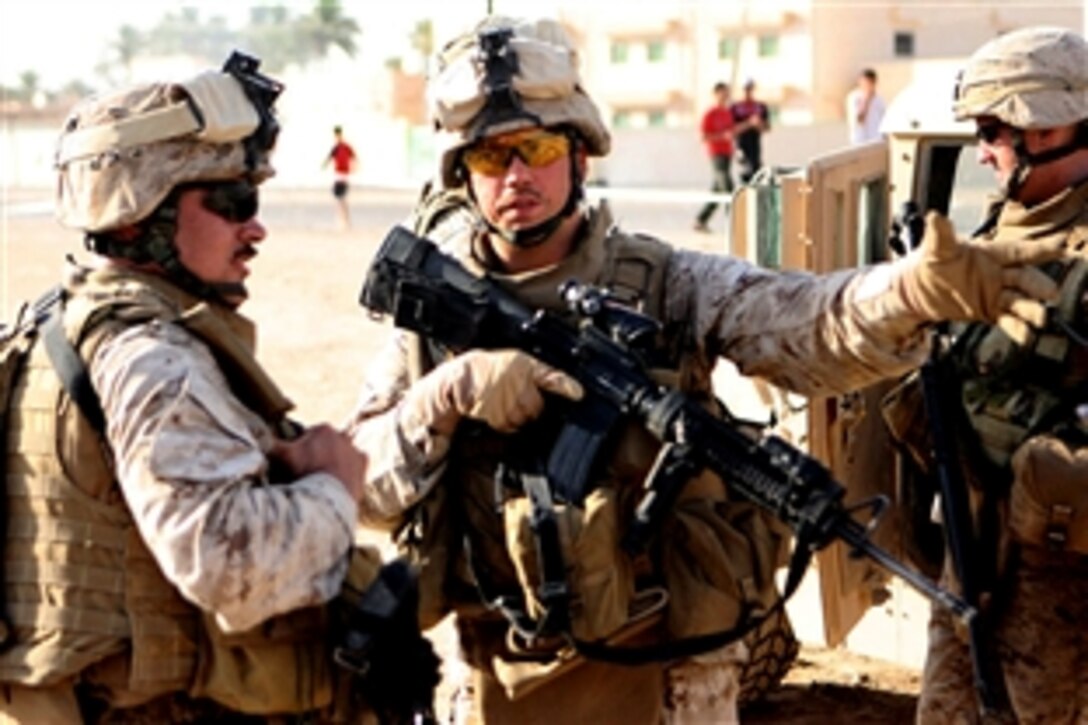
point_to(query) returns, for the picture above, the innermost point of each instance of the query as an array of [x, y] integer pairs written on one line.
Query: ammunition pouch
[[1048, 505], [718, 559], [248, 672], [904, 413], [587, 556]]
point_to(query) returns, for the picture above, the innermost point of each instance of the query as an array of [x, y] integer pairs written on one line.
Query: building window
[[727, 48], [655, 51], [621, 119], [619, 51], [904, 45], [655, 119], [768, 46]]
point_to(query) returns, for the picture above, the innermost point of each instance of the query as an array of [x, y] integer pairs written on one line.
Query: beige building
[[654, 63]]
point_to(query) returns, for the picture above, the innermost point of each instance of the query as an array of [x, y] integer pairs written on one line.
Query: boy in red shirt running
[[342, 157]]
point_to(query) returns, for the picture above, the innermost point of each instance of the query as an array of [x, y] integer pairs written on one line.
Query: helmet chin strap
[[1027, 161]]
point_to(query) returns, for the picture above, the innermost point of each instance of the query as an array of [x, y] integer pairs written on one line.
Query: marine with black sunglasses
[[177, 550], [1019, 401]]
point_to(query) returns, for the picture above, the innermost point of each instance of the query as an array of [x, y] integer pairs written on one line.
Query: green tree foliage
[[29, 85], [422, 40], [186, 33], [326, 27], [272, 33]]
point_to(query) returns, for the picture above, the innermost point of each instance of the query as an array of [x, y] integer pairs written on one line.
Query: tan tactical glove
[[986, 281], [502, 388]]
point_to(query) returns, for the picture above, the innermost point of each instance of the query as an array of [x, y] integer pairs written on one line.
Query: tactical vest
[[85, 596], [1021, 403], [1012, 392], [715, 556]]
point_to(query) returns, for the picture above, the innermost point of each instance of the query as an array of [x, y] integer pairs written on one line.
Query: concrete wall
[[393, 154], [675, 157]]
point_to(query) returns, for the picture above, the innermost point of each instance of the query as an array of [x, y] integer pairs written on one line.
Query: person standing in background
[[717, 129], [864, 109], [342, 157], [752, 119]]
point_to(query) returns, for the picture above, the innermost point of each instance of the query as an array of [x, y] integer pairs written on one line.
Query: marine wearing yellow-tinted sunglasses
[[536, 147]]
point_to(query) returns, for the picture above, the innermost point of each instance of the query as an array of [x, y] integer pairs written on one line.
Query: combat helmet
[[1032, 78], [503, 75], [121, 156]]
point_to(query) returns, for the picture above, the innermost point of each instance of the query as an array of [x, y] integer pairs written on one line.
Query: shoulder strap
[[48, 317], [71, 370], [636, 275], [436, 206]]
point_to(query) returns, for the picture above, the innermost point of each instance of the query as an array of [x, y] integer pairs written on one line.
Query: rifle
[[379, 642], [958, 523], [606, 351]]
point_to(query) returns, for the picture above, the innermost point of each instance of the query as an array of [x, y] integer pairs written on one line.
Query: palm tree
[[128, 44], [273, 36], [29, 85], [327, 26]]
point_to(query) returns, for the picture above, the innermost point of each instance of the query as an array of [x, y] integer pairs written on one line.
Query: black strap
[[70, 369], [553, 592]]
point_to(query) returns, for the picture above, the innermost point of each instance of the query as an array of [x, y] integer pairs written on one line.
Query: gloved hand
[[986, 281], [502, 388]]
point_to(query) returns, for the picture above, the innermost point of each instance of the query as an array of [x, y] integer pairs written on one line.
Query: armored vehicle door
[[836, 212]]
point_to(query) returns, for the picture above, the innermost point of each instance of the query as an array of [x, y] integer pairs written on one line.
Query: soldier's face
[[530, 189], [216, 246]]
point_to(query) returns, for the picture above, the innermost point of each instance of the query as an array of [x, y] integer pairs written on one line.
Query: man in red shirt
[[342, 157], [717, 128]]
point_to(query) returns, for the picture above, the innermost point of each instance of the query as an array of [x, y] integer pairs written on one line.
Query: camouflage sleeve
[[814, 334], [404, 458], [190, 460]]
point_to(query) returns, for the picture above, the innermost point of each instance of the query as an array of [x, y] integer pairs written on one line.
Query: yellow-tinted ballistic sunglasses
[[535, 146]]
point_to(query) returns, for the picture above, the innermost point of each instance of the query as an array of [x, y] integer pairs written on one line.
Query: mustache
[[516, 195], [246, 253]]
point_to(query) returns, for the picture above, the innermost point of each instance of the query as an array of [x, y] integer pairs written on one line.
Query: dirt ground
[[315, 340]]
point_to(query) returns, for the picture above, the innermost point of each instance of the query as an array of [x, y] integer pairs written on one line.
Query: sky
[[64, 39]]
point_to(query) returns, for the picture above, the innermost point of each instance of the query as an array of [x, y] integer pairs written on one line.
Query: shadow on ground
[[819, 703]]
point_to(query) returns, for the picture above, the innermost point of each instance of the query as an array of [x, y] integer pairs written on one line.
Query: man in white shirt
[[864, 109]]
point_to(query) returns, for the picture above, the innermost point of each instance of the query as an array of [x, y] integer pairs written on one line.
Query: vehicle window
[[955, 184], [873, 221], [972, 189]]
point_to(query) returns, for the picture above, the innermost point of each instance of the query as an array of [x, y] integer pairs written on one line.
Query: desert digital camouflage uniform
[[189, 452], [1027, 437], [152, 573]]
